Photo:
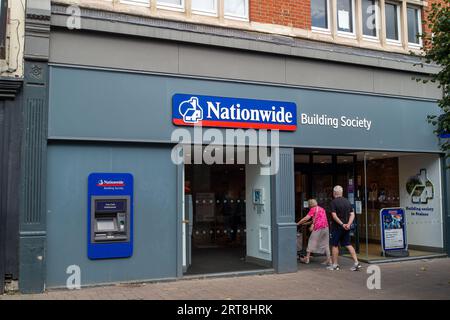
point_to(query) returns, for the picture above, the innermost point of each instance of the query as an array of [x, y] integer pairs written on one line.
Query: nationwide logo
[[191, 110], [208, 111], [420, 188], [110, 183]]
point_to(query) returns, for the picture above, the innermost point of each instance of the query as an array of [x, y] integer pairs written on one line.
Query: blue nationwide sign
[[209, 111]]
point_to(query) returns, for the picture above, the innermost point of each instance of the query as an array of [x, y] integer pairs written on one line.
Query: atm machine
[[110, 215]]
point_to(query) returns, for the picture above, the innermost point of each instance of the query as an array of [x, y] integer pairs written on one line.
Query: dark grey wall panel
[[356, 78], [285, 228], [155, 212], [3, 186], [32, 223], [107, 105], [231, 64], [13, 173], [120, 52], [151, 55], [33, 175], [10, 135]]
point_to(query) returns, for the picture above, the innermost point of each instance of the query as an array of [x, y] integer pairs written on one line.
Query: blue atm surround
[[110, 194]]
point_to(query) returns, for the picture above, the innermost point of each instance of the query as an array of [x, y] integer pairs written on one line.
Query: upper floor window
[[145, 3], [205, 6], [320, 14], [392, 12], [3, 12], [175, 4], [370, 18], [414, 25], [345, 16], [236, 9]]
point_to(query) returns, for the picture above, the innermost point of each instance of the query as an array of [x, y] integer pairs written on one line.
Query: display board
[[393, 229]]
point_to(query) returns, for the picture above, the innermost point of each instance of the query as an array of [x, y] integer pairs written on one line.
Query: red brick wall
[[424, 13], [294, 13], [291, 13]]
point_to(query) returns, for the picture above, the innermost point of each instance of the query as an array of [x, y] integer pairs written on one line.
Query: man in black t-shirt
[[343, 216]]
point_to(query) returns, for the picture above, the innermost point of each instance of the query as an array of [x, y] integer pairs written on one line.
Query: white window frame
[[345, 33], [214, 13], [170, 6], [399, 25], [377, 24], [141, 3], [324, 30], [419, 20], [236, 17]]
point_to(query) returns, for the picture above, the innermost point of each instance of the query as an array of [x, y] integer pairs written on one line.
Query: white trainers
[[356, 267], [333, 268]]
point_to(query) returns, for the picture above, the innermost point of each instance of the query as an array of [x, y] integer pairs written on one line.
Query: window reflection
[[392, 21], [369, 17], [413, 25], [319, 13]]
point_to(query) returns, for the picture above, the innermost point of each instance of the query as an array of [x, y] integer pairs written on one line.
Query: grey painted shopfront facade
[[96, 125], [109, 110]]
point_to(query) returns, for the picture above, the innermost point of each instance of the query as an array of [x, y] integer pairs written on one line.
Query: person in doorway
[[343, 217], [319, 240]]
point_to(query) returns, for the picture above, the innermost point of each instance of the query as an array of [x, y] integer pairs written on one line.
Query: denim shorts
[[340, 236]]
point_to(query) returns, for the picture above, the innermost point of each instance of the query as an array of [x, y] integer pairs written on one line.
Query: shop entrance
[[315, 176], [223, 232]]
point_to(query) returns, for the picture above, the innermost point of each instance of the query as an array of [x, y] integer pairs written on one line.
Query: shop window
[[3, 11], [345, 16], [392, 22], [370, 17], [345, 159], [171, 4], [414, 27], [386, 181], [319, 159], [301, 158], [320, 14], [205, 7], [236, 9]]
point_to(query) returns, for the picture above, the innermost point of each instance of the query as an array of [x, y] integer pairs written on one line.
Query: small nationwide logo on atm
[[110, 183]]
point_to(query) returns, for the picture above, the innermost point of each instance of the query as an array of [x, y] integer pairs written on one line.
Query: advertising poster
[[393, 229], [421, 196]]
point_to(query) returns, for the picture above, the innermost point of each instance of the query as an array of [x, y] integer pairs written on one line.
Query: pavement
[[419, 279]]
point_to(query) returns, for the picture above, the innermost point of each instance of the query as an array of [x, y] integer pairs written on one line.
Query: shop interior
[[221, 229], [373, 181]]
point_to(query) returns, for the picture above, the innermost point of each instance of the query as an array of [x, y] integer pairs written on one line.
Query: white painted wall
[[424, 221], [259, 227]]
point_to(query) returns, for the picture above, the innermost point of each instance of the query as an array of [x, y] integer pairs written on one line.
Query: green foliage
[[436, 47]]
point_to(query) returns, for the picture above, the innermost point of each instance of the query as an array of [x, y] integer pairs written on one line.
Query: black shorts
[[340, 236]]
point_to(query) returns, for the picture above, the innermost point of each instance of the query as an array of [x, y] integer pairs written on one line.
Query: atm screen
[[110, 205], [105, 225]]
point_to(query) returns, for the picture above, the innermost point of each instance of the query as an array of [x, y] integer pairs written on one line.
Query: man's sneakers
[[333, 267], [356, 267]]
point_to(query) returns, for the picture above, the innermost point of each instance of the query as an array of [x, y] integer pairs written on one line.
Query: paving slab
[[420, 279]]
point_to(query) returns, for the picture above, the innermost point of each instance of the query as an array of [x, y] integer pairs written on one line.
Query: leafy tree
[[436, 47]]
